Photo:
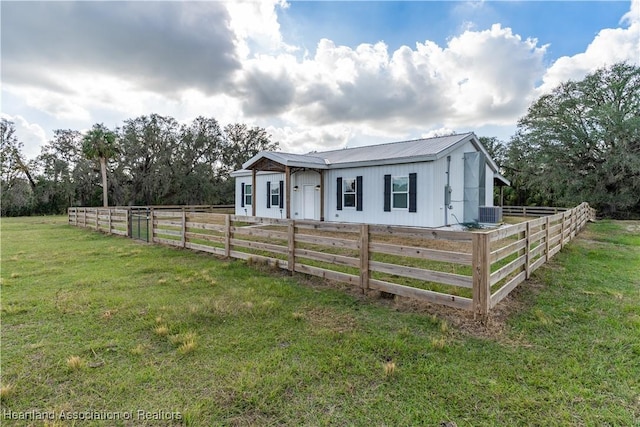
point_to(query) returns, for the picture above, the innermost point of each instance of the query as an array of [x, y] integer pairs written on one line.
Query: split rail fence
[[462, 269]]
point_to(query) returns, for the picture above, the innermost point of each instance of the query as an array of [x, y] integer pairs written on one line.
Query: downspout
[[447, 193]]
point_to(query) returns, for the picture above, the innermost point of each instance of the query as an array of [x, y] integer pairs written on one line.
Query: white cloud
[[31, 135], [228, 60], [159, 46], [610, 46], [256, 26], [479, 77]]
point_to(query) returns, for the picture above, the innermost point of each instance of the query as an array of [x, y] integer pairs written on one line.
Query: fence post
[[227, 235], [364, 257], [127, 222], [291, 259], [481, 263], [546, 240], [97, 219], [109, 219], [562, 231], [152, 230], [183, 241], [527, 249]]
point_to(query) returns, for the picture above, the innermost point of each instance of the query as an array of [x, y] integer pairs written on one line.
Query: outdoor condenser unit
[[490, 214]]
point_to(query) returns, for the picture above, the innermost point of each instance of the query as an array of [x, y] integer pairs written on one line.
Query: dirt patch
[[494, 327], [329, 319]]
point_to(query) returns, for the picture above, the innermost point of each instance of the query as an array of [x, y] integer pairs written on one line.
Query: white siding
[[456, 182], [240, 210], [488, 187], [260, 195], [373, 195]]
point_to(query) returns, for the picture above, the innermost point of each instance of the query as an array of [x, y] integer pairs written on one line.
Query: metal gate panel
[[139, 223]]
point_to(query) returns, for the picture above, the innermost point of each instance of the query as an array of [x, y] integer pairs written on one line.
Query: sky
[[317, 75]]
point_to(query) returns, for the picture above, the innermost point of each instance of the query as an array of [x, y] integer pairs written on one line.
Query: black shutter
[[387, 193], [358, 193], [413, 179], [242, 195], [281, 194], [339, 194], [268, 194]]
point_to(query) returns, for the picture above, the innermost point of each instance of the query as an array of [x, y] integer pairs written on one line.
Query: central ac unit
[[490, 214]]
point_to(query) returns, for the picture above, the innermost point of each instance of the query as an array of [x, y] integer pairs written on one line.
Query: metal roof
[[414, 150], [395, 152]]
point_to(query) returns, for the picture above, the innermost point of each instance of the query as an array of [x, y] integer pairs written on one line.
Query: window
[[349, 193], [275, 195], [400, 192], [248, 197]]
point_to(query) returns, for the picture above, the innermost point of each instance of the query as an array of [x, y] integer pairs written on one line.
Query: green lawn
[[96, 325]]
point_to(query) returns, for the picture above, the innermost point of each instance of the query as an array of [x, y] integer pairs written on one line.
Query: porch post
[[287, 185], [253, 192]]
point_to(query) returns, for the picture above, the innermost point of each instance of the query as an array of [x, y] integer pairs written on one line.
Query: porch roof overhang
[[278, 162], [500, 180]]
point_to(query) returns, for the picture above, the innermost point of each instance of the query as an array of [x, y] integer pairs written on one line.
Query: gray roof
[[414, 150], [395, 152], [290, 158]]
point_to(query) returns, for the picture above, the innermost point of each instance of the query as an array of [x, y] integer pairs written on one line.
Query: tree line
[[149, 160], [581, 142]]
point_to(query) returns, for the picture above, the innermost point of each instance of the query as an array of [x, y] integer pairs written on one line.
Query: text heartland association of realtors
[[138, 415]]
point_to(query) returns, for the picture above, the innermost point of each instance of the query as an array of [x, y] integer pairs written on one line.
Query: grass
[[159, 329]]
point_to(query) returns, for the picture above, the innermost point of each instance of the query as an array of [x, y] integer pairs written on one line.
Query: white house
[[425, 182]]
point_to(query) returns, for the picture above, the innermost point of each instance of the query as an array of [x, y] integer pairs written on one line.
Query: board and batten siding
[[488, 187], [260, 195], [373, 195]]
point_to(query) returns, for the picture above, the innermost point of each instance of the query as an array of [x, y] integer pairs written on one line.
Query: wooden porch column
[[253, 192], [321, 195], [287, 185]]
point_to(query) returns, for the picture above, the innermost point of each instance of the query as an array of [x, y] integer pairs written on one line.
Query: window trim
[[354, 193], [276, 189], [248, 194], [393, 193]]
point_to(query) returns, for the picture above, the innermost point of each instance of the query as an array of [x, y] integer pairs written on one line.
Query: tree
[[100, 143], [582, 143], [146, 163], [16, 192], [241, 143], [496, 149]]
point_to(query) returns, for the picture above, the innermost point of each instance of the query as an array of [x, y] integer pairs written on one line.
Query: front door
[[309, 202]]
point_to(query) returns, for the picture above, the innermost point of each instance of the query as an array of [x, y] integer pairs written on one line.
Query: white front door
[[309, 202]]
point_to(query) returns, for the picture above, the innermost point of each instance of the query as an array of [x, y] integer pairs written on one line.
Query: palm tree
[[100, 143]]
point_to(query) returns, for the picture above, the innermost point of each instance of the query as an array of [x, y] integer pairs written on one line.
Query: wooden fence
[[531, 210], [108, 220], [467, 270]]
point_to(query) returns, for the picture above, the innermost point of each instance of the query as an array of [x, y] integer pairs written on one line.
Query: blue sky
[[405, 22], [314, 74]]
